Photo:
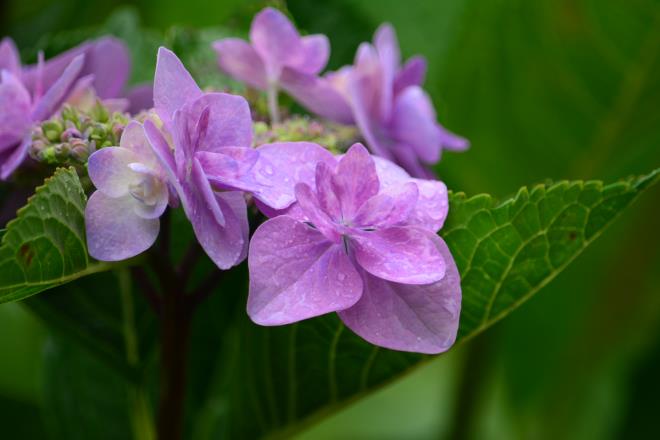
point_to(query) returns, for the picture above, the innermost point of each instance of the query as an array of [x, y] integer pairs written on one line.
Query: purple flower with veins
[[122, 216], [30, 94], [361, 243], [197, 122], [385, 100], [278, 57]]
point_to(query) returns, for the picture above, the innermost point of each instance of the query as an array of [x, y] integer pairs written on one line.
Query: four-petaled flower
[[278, 57], [122, 216], [364, 246]]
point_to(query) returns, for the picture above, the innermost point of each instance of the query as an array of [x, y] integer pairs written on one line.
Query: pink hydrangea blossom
[[362, 242]]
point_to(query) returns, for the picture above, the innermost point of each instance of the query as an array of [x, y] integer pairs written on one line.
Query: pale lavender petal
[[401, 254], [110, 172], [114, 231], [9, 58], [295, 274], [14, 159], [313, 56], [356, 180], [317, 94], [412, 73], [391, 207], [275, 39], [311, 208], [413, 123], [406, 156], [432, 204], [15, 114], [140, 98], [109, 61], [173, 85], [387, 46], [134, 139], [238, 59], [417, 318], [58, 92], [229, 121]]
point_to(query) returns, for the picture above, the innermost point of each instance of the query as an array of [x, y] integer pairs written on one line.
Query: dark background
[[544, 89]]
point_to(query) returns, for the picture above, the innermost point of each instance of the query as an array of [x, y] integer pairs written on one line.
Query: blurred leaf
[[45, 245], [89, 313], [83, 397]]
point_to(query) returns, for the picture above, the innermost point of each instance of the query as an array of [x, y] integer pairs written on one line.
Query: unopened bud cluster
[[334, 137], [72, 135]]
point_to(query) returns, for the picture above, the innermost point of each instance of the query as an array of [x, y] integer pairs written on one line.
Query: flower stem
[[273, 107], [175, 329]]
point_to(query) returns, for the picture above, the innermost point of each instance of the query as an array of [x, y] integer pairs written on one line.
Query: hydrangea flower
[[31, 94], [122, 216], [278, 57], [362, 243], [385, 100], [200, 122]]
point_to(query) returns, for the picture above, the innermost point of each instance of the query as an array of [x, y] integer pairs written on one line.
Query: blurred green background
[[544, 89]]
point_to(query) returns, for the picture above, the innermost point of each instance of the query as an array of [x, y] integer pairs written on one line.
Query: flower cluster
[[351, 233]]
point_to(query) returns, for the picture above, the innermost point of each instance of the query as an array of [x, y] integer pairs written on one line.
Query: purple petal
[[355, 180], [311, 208], [275, 39], [229, 121], [173, 85], [108, 60], [414, 124], [44, 76], [9, 58], [14, 159], [109, 170], [15, 114], [388, 208], [233, 205], [162, 151], [282, 165], [387, 46], [325, 191], [58, 92], [411, 74], [432, 204], [295, 274], [238, 59], [230, 168], [140, 98], [313, 56], [401, 254], [405, 317], [114, 231], [316, 94], [406, 156], [451, 141], [224, 244]]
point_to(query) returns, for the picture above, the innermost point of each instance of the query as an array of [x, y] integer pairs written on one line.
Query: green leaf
[[45, 245], [247, 381]]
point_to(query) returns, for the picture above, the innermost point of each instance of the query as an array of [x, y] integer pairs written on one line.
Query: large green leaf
[[247, 381], [45, 245]]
